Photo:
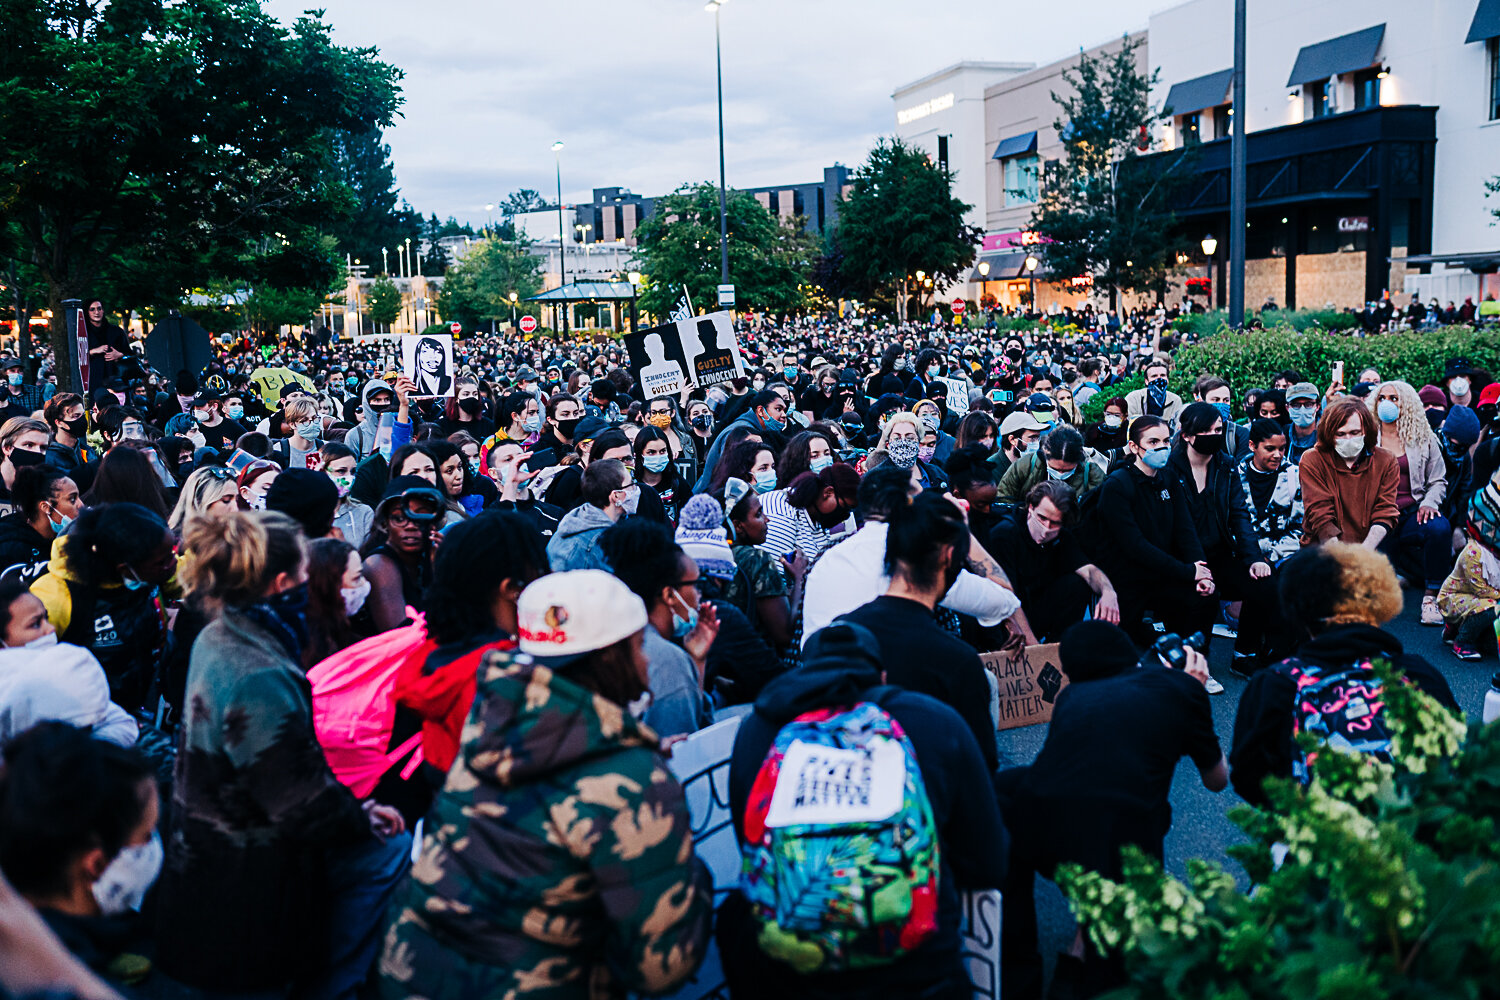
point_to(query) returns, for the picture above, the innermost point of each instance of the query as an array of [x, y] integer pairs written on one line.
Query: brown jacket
[[1343, 503]]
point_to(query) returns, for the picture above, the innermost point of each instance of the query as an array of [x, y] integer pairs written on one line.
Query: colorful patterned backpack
[[841, 851], [1342, 707]]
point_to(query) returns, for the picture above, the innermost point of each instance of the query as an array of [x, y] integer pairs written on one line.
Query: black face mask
[[1208, 444], [703, 421], [21, 458], [78, 428], [471, 405], [567, 427]]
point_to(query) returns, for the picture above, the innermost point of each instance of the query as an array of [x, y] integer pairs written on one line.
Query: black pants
[[1048, 830], [1262, 631], [1174, 603], [1058, 605]]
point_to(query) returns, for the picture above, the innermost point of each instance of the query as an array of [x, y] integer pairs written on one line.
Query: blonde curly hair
[[1412, 424]]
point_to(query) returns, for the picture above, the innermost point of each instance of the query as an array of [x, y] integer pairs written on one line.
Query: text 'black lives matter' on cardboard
[[1029, 682]]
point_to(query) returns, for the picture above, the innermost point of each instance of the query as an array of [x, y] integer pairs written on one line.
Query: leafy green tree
[[769, 261], [1103, 212], [178, 134], [378, 217], [900, 216], [268, 309], [383, 301], [477, 288]]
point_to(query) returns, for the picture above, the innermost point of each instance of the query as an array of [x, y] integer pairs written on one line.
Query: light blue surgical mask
[[1156, 458], [1388, 411], [655, 463], [765, 480], [234, 412], [682, 626], [820, 463], [789, 373], [1303, 416], [133, 582], [1054, 474], [532, 424], [1030, 449]]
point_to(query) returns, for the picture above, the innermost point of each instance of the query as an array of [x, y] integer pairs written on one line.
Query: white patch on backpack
[[104, 630], [832, 786]]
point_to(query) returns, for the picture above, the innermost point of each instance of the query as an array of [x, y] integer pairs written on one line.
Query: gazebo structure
[[616, 293]]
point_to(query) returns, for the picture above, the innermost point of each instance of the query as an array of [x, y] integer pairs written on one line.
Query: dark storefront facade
[[1329, 202]]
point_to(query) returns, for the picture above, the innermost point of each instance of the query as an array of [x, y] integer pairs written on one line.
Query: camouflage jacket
[[557, 860]]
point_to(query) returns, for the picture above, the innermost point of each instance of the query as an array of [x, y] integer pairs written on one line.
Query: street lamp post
[[1031, 266], [1209, 245], [562, 250], [716, 6], [513, 310], [385, 267], [635, 287], [984, 283], [1237, 152]]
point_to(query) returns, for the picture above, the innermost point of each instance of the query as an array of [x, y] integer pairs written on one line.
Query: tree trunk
[[59, 334]]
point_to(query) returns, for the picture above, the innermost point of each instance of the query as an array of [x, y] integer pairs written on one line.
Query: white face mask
[[125, 882], [354, 597], [1349, 447]]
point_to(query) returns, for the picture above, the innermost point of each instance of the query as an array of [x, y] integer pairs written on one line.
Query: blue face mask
[[682, 626], [1304, 416], [773, 425], [132, 582], [1030, 449], [655, 463], [1225, 412], [765, 480], [1388, 411], [789, 373], [1054, 474], [820, 463], [351, 381], [1156, 458], [532, 424]]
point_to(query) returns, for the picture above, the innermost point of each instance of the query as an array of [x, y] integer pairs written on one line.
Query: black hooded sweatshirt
[[972, 836], [1263, 743]]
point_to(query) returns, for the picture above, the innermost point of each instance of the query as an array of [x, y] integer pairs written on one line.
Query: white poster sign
[[427, 359]]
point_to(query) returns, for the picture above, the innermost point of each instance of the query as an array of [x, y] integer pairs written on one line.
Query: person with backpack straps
[[1336, 596], [929, 780]]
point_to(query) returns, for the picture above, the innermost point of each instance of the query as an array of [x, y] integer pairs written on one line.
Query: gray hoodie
[[362, 436], [575, 544]]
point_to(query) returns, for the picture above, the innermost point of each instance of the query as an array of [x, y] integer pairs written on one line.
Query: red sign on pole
[[455, 328], [528, 324], [958, 307]]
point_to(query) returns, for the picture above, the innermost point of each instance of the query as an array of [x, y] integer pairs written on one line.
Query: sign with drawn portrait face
[[427, 359]]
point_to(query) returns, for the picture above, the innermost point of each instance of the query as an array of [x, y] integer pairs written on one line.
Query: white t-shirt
[[852, 574]]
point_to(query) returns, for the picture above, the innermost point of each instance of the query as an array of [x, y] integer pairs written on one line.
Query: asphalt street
[[1200, 824]]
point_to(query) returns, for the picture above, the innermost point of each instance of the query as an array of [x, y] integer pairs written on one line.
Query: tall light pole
[[984, 283], [635, 287], [1209, 245], [562, 250], [716, 6], [1031, 265], [1237, 140], [513, 310], [385, 267]]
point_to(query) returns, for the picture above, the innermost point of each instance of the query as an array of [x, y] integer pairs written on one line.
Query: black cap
[[589, 428], [844, 644], [307, 497], [1456, 367], [1094, 649]]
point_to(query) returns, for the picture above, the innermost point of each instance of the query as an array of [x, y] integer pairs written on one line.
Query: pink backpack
[[354, 711]]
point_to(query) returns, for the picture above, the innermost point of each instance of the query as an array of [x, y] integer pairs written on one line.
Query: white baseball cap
[[564, 615]]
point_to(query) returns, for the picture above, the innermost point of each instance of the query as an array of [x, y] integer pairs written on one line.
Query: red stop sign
[[958, 307], [455, 328], [528, 324]]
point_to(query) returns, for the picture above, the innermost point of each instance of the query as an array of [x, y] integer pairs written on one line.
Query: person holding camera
[[1102, 780]]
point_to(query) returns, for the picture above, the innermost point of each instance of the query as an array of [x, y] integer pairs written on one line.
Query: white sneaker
[[1212, 686], [1224, 631]]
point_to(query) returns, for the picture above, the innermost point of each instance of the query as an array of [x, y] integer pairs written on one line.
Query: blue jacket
[[575, 544]]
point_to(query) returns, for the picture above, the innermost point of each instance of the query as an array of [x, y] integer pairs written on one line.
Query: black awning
[[1004, 264], [1016, 145], [1343, 54], [1486, 23], [1194, 95]]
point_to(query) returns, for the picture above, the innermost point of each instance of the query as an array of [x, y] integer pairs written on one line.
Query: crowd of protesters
[[266, 623]]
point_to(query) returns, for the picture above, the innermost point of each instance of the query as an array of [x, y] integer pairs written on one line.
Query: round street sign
[[958, 307], [455, 328], [528, 324]]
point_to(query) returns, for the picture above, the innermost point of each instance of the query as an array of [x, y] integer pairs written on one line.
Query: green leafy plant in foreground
[[1389, 885]]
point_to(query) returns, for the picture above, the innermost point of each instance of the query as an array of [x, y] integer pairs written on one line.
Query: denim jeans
[[361, 878]]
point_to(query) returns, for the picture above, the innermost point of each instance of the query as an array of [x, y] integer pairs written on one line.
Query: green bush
[[1387, 888], [1252, 358]]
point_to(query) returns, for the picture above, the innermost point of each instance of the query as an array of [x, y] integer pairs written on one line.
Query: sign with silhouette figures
[[696, 352], [1029, 681]]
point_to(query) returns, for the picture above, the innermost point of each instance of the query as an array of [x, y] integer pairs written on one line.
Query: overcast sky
[[628, 85]]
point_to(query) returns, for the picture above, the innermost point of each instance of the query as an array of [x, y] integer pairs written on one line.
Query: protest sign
[[958, 395], [695, 352], [427, 359], [1029, 682]]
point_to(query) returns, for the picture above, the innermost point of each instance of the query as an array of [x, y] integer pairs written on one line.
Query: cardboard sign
[[1029, 683], [958, 395], [695, 352], [427, 359]]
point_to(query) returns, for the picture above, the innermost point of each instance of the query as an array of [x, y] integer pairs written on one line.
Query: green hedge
[[1250, 359], [1201, 325]]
